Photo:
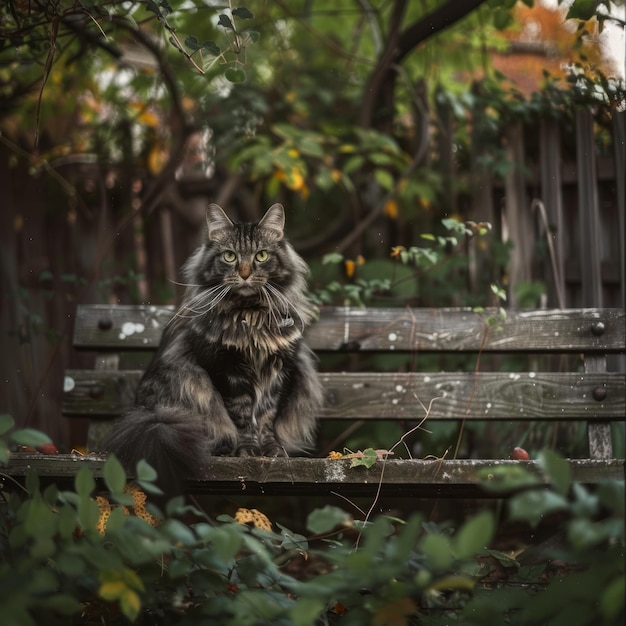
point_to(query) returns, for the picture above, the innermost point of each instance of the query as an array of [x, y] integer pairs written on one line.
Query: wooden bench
[[586, 392]]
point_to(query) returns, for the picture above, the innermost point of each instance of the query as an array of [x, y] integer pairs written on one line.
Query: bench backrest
[[587, 391]]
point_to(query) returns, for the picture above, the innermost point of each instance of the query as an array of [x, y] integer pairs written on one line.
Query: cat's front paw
[[272, 448], [248, 449]]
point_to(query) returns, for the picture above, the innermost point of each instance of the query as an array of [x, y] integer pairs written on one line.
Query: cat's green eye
[[261, 256], [229, 256]]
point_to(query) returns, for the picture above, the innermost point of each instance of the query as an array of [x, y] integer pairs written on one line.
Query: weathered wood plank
[[360, 395], [104, 327], [599, 433], [299, 476]]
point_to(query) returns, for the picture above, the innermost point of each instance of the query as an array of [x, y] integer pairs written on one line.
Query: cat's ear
[[217, 221], [274, 220]]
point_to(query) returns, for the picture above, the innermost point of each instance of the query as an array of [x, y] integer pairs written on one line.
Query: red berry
[[48, 448], [519, 454]]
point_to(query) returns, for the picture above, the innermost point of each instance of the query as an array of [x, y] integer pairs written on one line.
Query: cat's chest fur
[[257, 333]]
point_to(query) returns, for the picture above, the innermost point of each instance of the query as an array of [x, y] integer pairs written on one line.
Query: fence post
[[519, 219], [588, 211]]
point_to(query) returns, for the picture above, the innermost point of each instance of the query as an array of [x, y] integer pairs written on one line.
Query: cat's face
[[251, 259], [246, 256], [247, 269]]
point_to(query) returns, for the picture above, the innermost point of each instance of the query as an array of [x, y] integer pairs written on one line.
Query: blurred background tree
[[371, 120]]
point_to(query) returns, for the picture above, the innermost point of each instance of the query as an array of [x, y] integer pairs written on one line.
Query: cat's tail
[[172, 442]]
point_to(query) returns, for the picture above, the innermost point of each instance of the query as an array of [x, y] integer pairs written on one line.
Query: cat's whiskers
[[202, 302], [204, 299], [272, 309], [203, 295], [283, 304]]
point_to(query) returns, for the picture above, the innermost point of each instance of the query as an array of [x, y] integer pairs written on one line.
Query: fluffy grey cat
[[232, 375]]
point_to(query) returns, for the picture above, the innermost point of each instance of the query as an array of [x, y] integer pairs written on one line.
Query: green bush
[[61, 564]]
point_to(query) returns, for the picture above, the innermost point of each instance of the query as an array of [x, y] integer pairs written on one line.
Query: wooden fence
[[57, 252]]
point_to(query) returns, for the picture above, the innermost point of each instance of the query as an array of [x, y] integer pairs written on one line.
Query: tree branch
[[382, 80], [372, 89]]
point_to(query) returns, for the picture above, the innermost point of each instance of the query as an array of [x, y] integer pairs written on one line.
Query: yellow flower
[[391, 209], [335, 455], [254, 517], [350, 267]]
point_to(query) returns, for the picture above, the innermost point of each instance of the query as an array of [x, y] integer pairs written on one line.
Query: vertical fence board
[[619, 143], [518, 214], [551, 183], [589, 211]]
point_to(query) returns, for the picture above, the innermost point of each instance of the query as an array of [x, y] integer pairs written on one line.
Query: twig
[[384, 461], [46, 73], [556, 272]]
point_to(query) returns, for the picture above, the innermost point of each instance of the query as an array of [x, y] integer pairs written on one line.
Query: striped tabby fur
[[232, 375]]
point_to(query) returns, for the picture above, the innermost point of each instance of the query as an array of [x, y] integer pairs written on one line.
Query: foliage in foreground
[[61, 564]]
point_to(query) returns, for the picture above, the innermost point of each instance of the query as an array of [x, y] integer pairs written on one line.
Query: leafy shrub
[[74, 557]]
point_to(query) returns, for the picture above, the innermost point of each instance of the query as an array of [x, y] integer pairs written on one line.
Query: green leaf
[[367, 460], [130, 603], [29, 437], [4, 452], [242, 13], [332, 258], [70, 565], [178, 532], [612, 599], [474, 535], [504, 559], [6, 423], [192, 43], [32, 482], [176, 507], [503, 478], [235, 75], [88, 512], [557, 469], [324, 520], [61, 603], [384, 179], [253, 35], [306, 611], [380, 158], [145, 471], [40, 521], [353, 163], [67, 522], [438, 550], [532, 506], [114, 475], [225, 21], [175, 43], [116, 520], [502, 18], [212, 48], [583, 9], [226, 542], [611, 495], [150, 487], [84, 482]]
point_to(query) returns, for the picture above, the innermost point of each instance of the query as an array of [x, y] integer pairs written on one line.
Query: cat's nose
[[245, 269]]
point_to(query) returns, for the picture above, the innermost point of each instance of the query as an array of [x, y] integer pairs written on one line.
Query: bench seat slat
[[250, 476], [361, 395], [126, 327]]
